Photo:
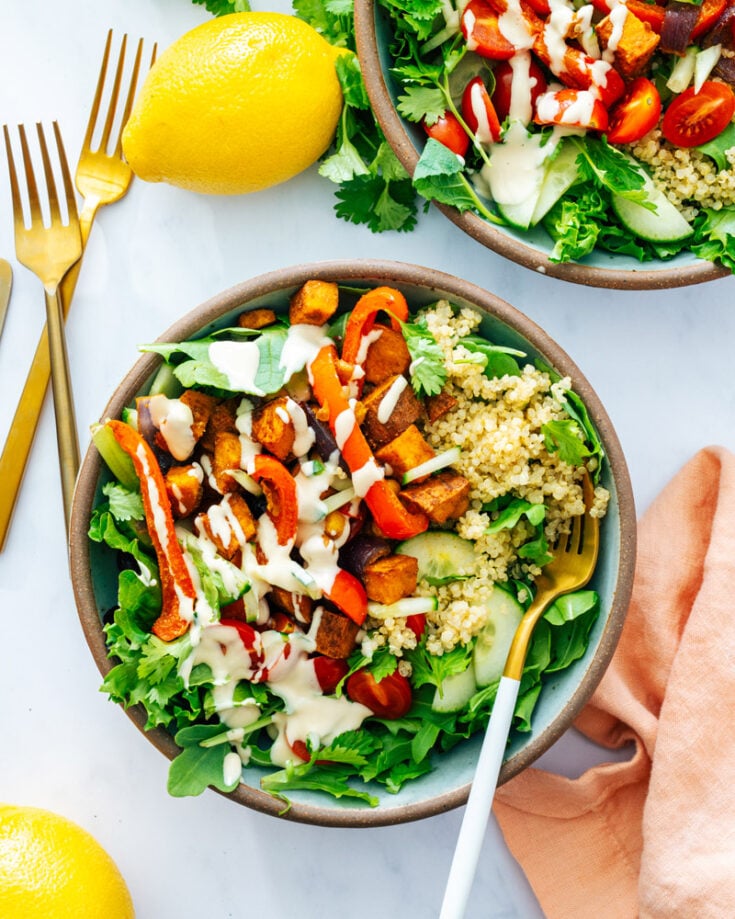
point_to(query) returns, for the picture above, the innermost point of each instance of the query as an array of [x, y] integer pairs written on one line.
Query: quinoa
[[497, 423]]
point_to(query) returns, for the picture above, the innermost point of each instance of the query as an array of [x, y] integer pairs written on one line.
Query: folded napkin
[[653, 836]]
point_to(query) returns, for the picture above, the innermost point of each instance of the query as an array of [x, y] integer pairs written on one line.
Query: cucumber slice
[[493, 642], [117, 460], [442, 557], [408, 606], [665, 225], [455, 692], [166, 383], [561, 174], [521, 214]]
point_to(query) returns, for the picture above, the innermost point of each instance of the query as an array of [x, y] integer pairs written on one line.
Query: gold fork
[[49, 250], [102, 178], [575, 557]]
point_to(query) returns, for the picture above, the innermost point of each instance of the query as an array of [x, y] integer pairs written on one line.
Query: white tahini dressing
[[303, 343], [390, 400], [239, 362], [175, 421]]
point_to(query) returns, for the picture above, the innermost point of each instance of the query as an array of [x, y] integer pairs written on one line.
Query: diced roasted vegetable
[[335, 634], [389, 409], [314, 304], [226, 456], [222, 418], [634, 47], [299, 606], [201, 406], [273, 428], [256, 319], [442, 497], [228, 524], [406, 451], [386, 356], [389, 579], [184, 487], [437, 406]]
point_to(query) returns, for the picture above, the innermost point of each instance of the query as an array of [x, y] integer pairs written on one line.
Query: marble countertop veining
[[661, 361]]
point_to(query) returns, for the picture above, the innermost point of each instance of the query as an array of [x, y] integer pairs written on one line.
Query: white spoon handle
[[474, 823]]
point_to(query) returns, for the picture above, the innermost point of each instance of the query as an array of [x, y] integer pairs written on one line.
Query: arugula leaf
[[512, 513], [611, 168], [439, 177], [428, 369], [718, 147], [499, 361], [566, 438], [197, 767]]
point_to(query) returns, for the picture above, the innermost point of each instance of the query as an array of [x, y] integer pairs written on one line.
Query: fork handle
[[66, 424], [14, 458], [477, 812]]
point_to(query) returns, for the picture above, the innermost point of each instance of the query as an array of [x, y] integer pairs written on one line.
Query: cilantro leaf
[[124, 503], [566, 438], [610, 167], [381, 204], [422, 103], [224, 7], [428, 369]]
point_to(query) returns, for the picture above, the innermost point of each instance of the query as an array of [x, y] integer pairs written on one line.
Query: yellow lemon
[[51, 868], [239, 103]]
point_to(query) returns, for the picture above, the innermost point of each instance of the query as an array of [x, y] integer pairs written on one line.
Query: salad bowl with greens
[[590, 142], [309, 521]]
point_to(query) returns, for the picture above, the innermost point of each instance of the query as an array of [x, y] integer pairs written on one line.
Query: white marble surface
[[660, 361]]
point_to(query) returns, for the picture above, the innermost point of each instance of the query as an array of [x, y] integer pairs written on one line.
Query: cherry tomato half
[[329, 671], [390, 698], [249, 637], [575, 108], [448, 131], [504, 76], [635, 115], [481, 29], [417, 623], [695, 118], [479, 112]]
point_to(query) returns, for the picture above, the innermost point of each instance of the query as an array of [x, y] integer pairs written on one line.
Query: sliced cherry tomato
[[448, 131], [389, 698], [481, 28], [302, 751], [696, 118], [417, 624], [540, 7], [576, 108], [479, 112], [329, 671], [709, 12], [279, 487], [348, 594], [504, 76], [636, 113], [281, 622]]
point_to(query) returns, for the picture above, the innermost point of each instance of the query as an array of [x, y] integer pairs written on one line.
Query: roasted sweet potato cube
[[406, 451], [383, 423], [635, 46], [314, 304], [386, 356], [299, 606], [335, 634], [273, 428], [437, 406], [228, 524], [442, 497], [389, 579], [184, 488], [223, 418], [256, 319], [226, 456], [201, 406]]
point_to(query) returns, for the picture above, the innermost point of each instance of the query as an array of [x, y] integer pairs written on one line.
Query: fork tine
[[33, 200], [131, 95], [104, 140], [71, 201], [14, 189], [98, 93], [576, 536], [53, 198]]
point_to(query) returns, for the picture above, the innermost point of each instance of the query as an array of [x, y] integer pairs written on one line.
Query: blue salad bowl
[[530, 248], [95, 570]]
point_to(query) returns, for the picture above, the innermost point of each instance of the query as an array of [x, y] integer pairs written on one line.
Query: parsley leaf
[[428, 369]]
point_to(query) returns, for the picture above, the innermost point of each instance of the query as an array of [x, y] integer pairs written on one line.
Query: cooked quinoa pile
[[497, 424]]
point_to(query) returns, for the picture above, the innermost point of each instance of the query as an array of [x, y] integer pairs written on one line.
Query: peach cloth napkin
[[653, 836]]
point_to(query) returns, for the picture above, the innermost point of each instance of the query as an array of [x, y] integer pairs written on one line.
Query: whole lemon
[[51, 868], [239, 103]]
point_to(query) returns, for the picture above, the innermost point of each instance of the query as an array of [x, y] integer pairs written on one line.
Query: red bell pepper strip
[[348, 594], [395, 521], [176, 582], [362, 317], [280, 493]]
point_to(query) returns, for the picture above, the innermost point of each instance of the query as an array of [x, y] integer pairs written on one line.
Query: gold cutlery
[[6, 283], [102, 178], [49, 251], [575, 557]]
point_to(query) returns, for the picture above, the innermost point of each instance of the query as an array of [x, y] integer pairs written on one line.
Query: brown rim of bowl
[[368, 272], [479, 229]]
